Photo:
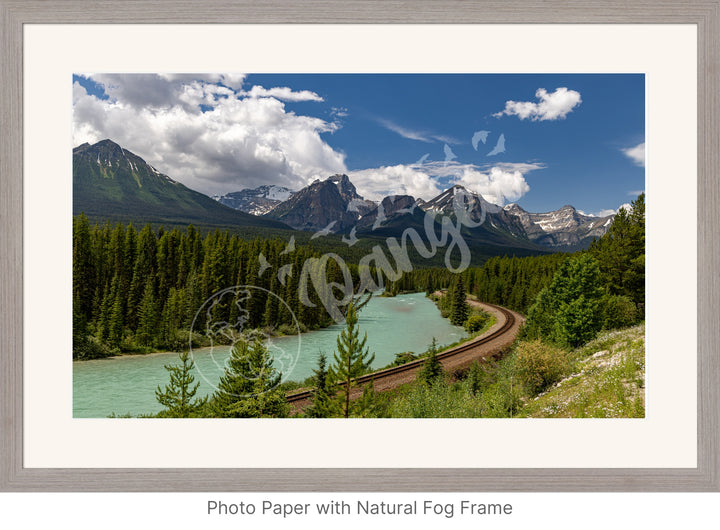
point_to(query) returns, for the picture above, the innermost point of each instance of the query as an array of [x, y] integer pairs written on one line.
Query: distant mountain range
[[333, 205], [258, 201], [112, 183]]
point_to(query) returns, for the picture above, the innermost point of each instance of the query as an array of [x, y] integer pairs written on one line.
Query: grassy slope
[[608, 381]]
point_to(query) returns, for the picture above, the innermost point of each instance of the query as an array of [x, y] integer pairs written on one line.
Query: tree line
[[601, 288], [138, 291], [566, 297]]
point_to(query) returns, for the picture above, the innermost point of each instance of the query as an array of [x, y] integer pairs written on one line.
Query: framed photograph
[[497, 225]]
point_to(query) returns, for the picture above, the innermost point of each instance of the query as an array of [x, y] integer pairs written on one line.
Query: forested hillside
[[139, 291]]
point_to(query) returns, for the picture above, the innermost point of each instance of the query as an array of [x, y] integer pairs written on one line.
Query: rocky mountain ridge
[[339, 209], [257, 201]]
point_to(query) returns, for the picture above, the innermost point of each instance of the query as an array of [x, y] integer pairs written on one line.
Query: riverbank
[[126, 384]]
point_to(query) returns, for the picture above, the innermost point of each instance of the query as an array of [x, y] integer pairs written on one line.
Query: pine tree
[[80, 340], [177, 397], [147, 315], [568, 311], [83, 266], [621, 254], [431, 368], [323, 403], [352, 358], [144, 269], [115, 321], [248, 388], [475, 378], [459, 308]]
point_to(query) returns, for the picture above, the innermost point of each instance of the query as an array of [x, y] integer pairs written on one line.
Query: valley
[[153, 261]]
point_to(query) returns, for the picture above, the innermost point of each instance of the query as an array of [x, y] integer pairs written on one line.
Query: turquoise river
[[126, 384]]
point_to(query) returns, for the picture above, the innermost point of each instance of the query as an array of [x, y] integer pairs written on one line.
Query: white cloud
[[237, 142], [552, 106], [522, 167], [234, 81], [405, 132], [604, 213], [635, 192], [413, 134], [636, 154], [241, 142], [377, 183], [497, 184], [608, 211], [284, 93]]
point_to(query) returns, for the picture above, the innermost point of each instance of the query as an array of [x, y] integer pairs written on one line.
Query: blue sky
[[550, 139]]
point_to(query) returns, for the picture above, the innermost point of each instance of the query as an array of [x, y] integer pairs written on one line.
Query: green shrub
[[476, 322], [440, 400], [92, 348], [618, 312], [539, 365], [286, 329], [403, 357]]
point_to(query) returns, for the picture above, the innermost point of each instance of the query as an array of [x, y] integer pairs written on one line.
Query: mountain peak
[[112, 183], [107, 142], [257, 201], [338, 177], [345, 187], [314, 207]]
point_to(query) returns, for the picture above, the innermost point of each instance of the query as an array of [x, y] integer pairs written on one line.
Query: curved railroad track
[[500, 336]]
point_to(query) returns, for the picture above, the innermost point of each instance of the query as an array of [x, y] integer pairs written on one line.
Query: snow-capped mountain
[[334, 205], [392, 210], [565, 228], [460, 195], [257, 201], [331, 204]]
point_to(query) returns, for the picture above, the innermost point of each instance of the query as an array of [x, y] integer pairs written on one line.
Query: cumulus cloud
[[209, 133], [377, 183], [284, 93], [636, 154], [498, 184], [234, 81], [234, 142], [552, 106]]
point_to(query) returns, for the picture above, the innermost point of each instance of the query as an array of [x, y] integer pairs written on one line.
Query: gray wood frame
[[15, 13]]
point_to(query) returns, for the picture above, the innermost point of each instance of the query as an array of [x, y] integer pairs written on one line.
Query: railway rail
[[447, 355]]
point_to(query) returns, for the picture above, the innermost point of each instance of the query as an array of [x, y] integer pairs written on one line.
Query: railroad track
[[412, 365]]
